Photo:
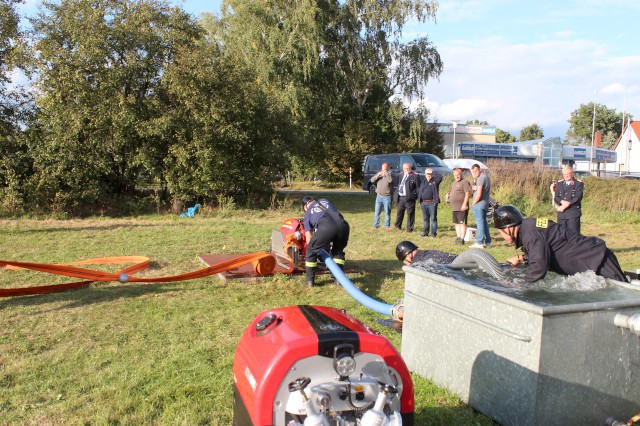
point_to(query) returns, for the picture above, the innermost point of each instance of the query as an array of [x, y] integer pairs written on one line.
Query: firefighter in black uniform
[[567, 200], [549, 246], [323, 225], [408, 253]]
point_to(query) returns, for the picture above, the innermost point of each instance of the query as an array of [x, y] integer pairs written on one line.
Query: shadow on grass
[[89, 228], [347, 203], [624, 250]]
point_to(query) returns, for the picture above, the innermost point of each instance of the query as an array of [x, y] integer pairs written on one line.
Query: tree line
[[135, 97]]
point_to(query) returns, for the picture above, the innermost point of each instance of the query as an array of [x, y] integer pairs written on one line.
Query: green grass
[[117, 353]]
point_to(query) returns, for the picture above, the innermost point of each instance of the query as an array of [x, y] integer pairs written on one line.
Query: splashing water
[[553, 290]]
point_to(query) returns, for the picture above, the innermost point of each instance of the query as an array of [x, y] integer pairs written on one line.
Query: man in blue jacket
[[324, 226], [429, 197]]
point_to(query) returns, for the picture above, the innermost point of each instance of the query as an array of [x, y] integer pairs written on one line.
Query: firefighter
[[567, 200], [407, 253], [323, 225], [549, 246]]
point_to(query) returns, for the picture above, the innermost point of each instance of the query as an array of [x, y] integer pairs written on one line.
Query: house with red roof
[[627, 149]]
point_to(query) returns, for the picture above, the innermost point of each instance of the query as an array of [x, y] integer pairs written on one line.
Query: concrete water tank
[[520, 362]]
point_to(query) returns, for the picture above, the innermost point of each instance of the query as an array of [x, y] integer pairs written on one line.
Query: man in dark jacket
[[429, 197], [568, 199], [406, 197], [323, 225], [549, 246]]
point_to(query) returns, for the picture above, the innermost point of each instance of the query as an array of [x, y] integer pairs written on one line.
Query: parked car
[[582, 173], [465, 165], [419, 161], [630, 176]]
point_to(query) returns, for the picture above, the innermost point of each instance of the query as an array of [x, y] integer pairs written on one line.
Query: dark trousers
[[610, 268], [327, 232], [410, 207], [572, 223]]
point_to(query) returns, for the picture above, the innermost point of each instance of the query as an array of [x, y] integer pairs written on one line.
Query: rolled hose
[[477, 258], [338, 274]]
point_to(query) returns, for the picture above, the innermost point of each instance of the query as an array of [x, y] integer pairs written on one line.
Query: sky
[[513, 63]]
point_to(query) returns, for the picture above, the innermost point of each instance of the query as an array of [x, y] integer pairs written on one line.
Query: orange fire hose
[[263, 263]]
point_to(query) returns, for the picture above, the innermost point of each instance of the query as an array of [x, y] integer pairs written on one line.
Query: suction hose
[[477, 258], [353, 291]]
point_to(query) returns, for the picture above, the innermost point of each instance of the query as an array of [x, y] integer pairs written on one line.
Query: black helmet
[[404, 248], [305, 200], [506, 216]]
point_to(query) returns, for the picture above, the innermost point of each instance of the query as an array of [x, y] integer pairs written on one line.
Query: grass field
[[130, 353]]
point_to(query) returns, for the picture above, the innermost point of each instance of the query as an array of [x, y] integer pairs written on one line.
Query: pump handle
[[299, 384]]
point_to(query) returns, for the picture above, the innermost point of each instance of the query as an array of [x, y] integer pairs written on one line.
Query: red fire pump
[[316, 365], [289, 244]]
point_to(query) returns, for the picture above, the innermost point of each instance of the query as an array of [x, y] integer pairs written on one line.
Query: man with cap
[[429, 198], [323, 225], [408, 253], [568, 199], [549, 246]]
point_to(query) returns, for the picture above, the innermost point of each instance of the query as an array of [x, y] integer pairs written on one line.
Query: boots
[[311, 277]]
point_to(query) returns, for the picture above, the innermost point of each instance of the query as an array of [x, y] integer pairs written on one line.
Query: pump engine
[[316, 365]]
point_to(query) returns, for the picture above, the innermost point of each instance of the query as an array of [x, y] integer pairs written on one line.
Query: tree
[[531, 132], [502, 136], [421, 135], [100, 65], [225, 136], [15, 110], [336, 65], [581, 124]]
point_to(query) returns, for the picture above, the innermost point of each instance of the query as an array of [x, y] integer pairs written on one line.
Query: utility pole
[[593, 130]]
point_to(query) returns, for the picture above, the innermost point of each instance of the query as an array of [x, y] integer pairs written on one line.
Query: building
[[454, 133], [549, 152], [478, 142], [627, 148]]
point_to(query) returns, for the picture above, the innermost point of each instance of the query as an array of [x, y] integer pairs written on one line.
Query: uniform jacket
[[411, 186], [571, 193], [436, 256], [319, 209], [430, 189], [552, 247]]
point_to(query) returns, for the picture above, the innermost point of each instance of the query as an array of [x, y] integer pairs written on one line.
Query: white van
[[372, 164]]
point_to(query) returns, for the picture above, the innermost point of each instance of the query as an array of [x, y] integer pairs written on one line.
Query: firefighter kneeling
[[324, 226]]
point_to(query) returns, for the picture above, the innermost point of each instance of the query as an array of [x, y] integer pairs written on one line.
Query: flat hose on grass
[[263, 263]]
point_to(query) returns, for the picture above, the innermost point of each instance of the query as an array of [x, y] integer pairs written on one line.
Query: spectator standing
[[480, 206], [406, 196], [459, 195], [429, 197], [568, 199], [384, 190]]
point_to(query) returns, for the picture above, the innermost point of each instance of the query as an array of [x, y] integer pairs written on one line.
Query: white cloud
[[514, 85]]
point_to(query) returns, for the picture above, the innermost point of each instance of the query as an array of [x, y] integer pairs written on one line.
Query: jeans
[[382, 201], [483, 234], [429, 214]]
